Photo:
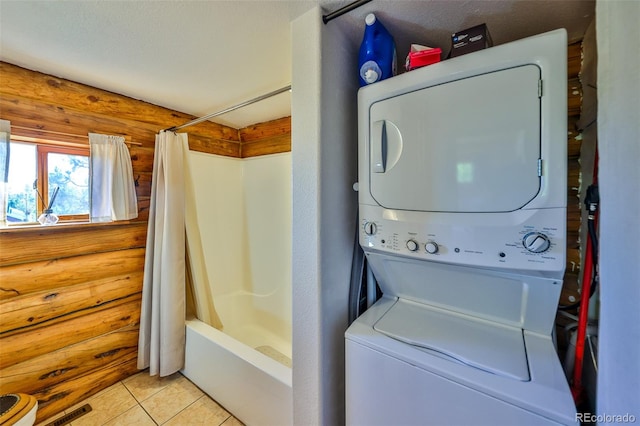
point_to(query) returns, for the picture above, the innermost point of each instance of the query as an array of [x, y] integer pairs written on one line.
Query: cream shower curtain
[[162, 329]]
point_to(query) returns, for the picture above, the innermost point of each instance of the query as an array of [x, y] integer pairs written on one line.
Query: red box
[[420, 56]]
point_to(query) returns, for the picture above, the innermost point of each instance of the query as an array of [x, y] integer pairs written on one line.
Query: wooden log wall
[[570, 293], [266, 138], [70, 294]]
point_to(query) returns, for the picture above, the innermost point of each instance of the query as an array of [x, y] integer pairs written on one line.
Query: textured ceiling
[[199, 57]]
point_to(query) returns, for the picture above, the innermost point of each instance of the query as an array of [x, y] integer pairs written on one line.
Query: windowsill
[[64, 225], [59, 223]]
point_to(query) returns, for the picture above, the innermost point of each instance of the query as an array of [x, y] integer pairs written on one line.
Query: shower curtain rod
[[233, 108], [343, 10]]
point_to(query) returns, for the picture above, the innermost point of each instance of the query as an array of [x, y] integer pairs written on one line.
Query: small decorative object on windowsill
[[48, 217]]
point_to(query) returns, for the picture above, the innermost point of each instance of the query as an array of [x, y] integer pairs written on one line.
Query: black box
[[470, 40]]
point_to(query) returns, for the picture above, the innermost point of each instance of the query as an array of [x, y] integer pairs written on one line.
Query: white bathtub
[[252, 386]]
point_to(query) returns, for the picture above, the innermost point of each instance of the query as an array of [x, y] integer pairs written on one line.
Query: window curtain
[[113, 192], [162, 330], [5, 144]]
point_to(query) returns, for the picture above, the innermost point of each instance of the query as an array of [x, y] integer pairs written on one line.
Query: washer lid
[[481, 344]]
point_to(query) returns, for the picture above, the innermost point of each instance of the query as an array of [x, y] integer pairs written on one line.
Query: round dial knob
[[412, 245], [370, 228], [536, 242], [431, 247]]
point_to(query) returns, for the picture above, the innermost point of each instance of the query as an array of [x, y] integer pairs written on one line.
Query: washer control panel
[[524, 240]]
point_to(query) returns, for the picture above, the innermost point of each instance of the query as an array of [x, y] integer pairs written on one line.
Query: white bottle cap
[[370, 72], [370, 76], [370, 19]]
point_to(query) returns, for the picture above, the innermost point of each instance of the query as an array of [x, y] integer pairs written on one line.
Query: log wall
[[70, 294], [266, 138], [570, 292]]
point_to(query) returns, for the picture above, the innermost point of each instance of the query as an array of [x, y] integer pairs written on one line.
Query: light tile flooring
[[143, 400]]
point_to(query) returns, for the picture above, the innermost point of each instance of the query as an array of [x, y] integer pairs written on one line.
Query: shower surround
[[239, 233]]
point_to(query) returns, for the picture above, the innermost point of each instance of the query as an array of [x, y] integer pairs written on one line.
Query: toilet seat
[[18, 409]]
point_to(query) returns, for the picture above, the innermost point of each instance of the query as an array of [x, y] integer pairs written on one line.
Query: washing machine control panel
[[527, 240]]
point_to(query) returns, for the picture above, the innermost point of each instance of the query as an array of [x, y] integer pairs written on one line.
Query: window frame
[[43, 148]]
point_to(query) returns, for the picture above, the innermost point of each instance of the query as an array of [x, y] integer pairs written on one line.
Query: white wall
[[324, 148], [617, 33], [305, 148]]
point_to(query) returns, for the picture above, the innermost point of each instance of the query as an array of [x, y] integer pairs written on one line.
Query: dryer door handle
[[378, 146], [386, 146]]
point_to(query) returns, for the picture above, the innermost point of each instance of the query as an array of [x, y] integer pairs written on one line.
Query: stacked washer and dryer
[[462, 206]]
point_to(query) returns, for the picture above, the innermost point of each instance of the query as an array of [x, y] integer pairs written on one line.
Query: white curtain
[[162, 330], [113, 192], [5, 138]]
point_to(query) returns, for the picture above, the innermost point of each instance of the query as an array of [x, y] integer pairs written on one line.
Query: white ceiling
[[199, 57]]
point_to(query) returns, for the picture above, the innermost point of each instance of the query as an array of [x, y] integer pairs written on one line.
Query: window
[[36, 170]]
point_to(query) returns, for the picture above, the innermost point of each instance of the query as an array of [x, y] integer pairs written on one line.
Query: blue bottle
[[377, 58]]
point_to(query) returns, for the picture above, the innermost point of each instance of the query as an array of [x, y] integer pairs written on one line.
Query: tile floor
[[143, 400]]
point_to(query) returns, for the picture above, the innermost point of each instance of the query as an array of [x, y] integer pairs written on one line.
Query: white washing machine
[[462, 193]]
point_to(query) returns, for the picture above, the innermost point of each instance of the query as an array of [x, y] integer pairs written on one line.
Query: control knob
[[412, 245], [370, 228], [536, 242], [431, 247]]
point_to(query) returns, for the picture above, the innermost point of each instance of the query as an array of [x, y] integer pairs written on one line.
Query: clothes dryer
[[462, 202]]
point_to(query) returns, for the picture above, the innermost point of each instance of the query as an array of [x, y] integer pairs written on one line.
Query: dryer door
[[470, 145]]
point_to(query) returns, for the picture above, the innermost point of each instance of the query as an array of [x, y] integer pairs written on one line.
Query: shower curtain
[[162, 330]]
